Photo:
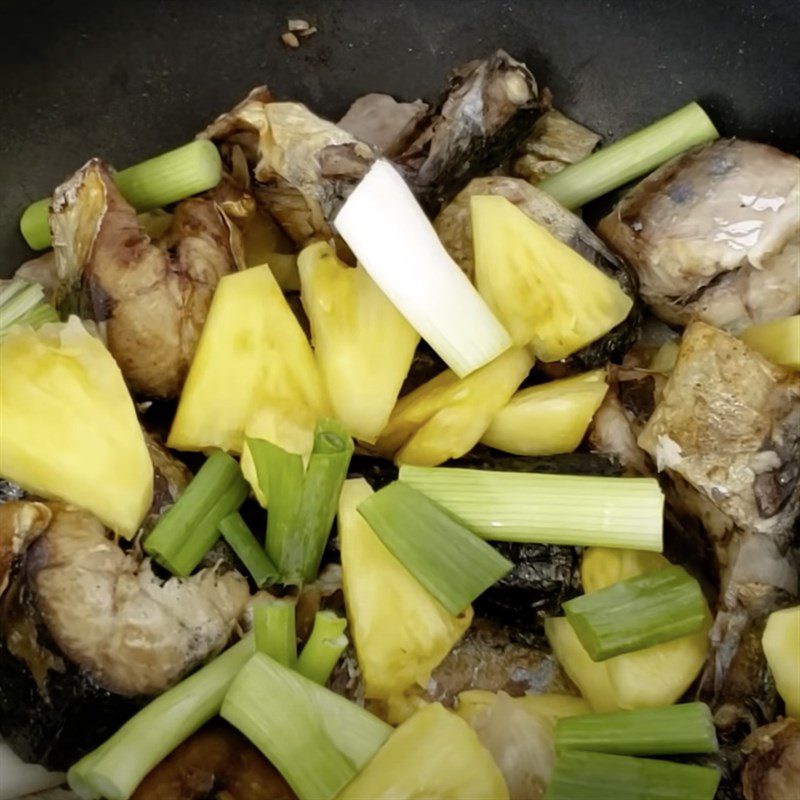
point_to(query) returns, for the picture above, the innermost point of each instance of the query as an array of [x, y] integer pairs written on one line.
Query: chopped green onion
[[187, 170], [190, 528], [117, 767], [318, 740], [236, 533], [302, 505], [547, 509], [385, 227], [596, 776], [453, 564], [274, 625], [22, 303], [670, 730], [324, 647], [637, 613], [631, 157]]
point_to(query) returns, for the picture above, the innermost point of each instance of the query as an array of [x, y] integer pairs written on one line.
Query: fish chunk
[[726, 433], [714, 235]]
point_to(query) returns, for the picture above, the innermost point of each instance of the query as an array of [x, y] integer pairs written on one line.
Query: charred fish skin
[[727, 417], [488, 109], [149, 299], [454, 226], [714, 235]]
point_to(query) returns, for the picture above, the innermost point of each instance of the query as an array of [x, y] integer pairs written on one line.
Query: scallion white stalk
[[547, 509], [324, 647], [630, 157], [390, 235]]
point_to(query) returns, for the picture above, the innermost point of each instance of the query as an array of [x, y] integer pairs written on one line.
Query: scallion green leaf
[[324, 647], [547, 509], [167, 178], [236, 533], [385, 227], [117, 767], [318, 740], [274, 625], [302, 504], [630, 157], [599, 776], [189, 529], [670, 730], [637, 613], [453, 564]]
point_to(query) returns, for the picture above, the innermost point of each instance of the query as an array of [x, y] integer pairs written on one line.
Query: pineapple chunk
[[400, 631], [781, 643], [68, 427], [548, 707], [779, 340], [434, 755], [363, 345], [252, 355], [654, 676], [665, 358], [591, 677], [446, 417], [548, 419], [546, 295]]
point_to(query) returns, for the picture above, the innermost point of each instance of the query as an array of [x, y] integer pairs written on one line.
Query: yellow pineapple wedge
[[654, 676], [550, 418], [252, 355], [68, 427], [400, 631], [446, 417], [781, 643], [546, 295], [433, 755], [779, 340], [363, 345]]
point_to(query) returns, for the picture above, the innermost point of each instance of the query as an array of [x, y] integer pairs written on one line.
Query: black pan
[[128, 80]]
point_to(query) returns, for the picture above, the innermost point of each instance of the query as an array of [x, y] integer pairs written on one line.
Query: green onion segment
[[317, 740], [242, 541], [324, 647], [547, 509], [190, 528], [630, 157], [115, 769], [453, 564], [23, 303], [172, 176], [302, 503], [600, 776], [274, 625], [670, 730], [638, 612]]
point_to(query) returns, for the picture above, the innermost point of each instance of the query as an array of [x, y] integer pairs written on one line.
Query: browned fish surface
[[727, 433], [150, 299], [216, 763], [772, 765], [714, 235]]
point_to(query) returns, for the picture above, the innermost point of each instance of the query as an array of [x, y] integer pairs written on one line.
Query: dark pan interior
[[128, 80]]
